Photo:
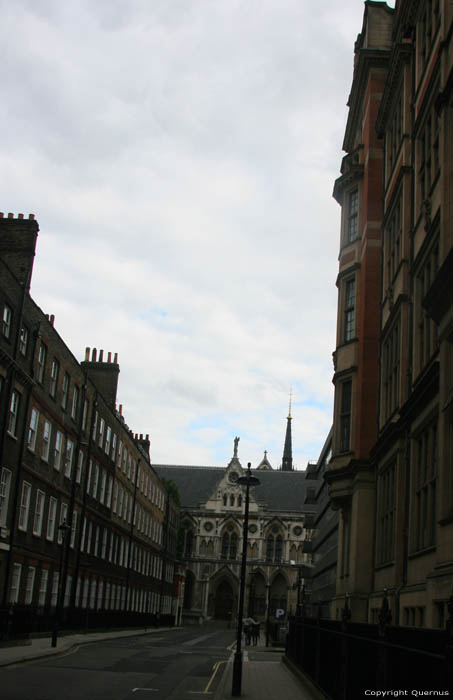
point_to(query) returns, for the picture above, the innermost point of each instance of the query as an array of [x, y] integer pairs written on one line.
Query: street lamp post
[[247, 480], [63, 528]]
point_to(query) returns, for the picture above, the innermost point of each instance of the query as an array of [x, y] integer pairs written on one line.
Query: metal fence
[[23, 621], [347, 659]]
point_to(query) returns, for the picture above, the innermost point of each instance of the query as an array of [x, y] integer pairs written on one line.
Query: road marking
[[191, 642], [150, 690], [215, 669]]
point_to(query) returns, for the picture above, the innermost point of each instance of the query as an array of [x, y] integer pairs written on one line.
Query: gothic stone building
[[212, 512]]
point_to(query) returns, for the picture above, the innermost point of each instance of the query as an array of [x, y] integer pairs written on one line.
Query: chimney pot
[[109, 357], [31, 217], [1, 215], [87, 354], [52, 319], [121, 409], [10, 215], [101, 355], [115, 359], [147, 436], [20, 216], [94, 353]]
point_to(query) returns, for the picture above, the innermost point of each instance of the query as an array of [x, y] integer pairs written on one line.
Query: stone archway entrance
[[223, 602]]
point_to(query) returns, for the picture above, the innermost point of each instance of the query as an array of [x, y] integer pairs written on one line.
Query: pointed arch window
[[231, 500], [274, 548], [278, 548], [229, 545], [225, 499], [225, 545]]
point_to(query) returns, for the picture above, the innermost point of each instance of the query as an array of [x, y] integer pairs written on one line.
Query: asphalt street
[[180, 664]]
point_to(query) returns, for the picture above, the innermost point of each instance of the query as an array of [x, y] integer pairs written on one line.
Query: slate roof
[[278, 490]]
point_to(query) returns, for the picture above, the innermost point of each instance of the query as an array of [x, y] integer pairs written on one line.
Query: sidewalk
[[40, 648], [271, 679]]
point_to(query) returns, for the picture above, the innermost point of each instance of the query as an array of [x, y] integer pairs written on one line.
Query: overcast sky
[[179, 156]]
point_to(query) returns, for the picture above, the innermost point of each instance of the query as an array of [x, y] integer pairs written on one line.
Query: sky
[[180, 156]]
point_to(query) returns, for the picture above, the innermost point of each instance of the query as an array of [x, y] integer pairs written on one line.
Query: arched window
[[278, 548], [270, 548], [233, 545], [225, 499], [231, 500], [225, 545], [239, 501]]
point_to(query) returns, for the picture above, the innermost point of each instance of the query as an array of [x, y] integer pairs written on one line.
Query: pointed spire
[[287, 462]]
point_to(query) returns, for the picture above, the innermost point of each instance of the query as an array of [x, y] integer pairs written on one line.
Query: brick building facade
[[81, 508], [391, 470]]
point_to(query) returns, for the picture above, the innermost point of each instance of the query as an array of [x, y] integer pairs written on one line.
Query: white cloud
[[180, 159]]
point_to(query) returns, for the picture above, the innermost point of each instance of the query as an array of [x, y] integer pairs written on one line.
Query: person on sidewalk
[[248, 626], [255, 632]]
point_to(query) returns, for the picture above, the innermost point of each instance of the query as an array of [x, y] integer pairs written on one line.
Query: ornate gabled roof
[[278, 490]]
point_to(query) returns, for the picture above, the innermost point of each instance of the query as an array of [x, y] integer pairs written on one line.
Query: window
[[42, 355], [108, 498], [85, 414], [51, 518], [33, 429], [39, 513], [73, 529], [13, 412], [108, 440], [23, 341], [425, 458], [29, 585], [353, 214], [79, 467], [103, 484], [43, 587], [58, 450], [24, 506], [68, 458], [101, 432], [114, 439], [54, 593], [349, 309], [386, 512], [63, 518], [46, 433], [345, 415], [428, 154], [7, 319], [426, 328], [395, 132], [15, 583], [65, 391], [5, 486], [75, 402], [391, 371], [54, 372], [90, 472], [94, 492], [392, 237]]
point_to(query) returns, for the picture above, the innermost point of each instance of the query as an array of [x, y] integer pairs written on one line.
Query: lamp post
[[63, 528], [247, 480]]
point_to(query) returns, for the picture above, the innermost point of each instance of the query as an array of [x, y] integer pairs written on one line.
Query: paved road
[[180, 664]]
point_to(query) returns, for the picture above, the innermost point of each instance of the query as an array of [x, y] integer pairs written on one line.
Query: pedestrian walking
[[255, 632]]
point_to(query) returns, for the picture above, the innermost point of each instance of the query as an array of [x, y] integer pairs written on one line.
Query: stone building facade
[[212, 512], [391, 469], [85, 521]]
